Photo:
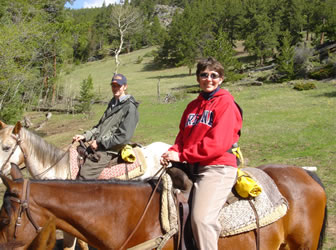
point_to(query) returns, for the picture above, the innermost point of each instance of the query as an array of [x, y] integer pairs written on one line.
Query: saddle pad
[[239, 217], [121, 171], [74, 168]]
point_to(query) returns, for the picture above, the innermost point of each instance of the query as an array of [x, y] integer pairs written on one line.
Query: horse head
[[17, 226], [10, 151]]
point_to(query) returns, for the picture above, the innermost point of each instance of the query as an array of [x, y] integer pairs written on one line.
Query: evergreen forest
[[39, 38]]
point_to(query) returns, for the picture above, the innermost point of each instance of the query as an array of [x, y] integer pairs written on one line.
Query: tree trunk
[[322, 33], [54, 82]]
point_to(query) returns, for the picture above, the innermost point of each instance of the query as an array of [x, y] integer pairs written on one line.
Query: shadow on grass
[[153, 66], [170, 76], [328, 94], [186, 87]]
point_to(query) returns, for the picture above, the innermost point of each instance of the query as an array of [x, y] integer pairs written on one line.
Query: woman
[[209, 127], [113, 131]]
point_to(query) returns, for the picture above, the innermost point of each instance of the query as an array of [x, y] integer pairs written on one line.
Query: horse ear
[[17, 128], [15, 172], [2, 125], [8, 182]]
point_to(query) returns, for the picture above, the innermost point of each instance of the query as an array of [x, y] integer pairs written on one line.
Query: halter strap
[[18, 143], [24, 207]]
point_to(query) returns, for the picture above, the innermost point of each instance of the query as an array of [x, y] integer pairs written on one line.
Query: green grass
[[281, 125]]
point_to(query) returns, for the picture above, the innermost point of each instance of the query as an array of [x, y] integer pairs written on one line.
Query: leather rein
[[24, 208], [162, 170]]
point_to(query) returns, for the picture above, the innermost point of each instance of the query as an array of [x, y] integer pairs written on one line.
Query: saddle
[[238, 215], [116, 168]]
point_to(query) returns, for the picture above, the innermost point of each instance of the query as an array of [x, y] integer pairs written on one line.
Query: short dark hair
[[210, 63]]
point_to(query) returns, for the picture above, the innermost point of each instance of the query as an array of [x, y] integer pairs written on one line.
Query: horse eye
[[6, 148], [4, 221]]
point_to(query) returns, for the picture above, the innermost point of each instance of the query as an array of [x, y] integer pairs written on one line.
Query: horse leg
[[46, 239], [69, 241], [83, 245]]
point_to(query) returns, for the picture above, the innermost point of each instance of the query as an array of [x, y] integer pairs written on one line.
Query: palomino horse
[[45, 161], [108, 212]]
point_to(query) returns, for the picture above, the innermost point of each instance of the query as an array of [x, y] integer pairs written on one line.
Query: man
[[113, 131]]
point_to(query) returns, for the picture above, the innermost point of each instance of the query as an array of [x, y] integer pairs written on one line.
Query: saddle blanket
[[122, 171], [237, 217]]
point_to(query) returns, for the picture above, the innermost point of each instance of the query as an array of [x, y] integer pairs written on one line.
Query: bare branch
[[125, 19]]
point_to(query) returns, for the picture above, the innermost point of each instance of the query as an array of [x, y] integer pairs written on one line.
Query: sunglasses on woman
[[206, 75]]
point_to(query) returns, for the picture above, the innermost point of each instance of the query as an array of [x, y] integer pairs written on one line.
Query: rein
[[53, 165], [24, 207], [163, 169]]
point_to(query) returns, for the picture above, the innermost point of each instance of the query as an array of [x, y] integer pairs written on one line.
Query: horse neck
[[41, 155], [99, 209]]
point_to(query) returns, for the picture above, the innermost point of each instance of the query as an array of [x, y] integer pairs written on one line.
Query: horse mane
[[93, 181], [149, 181], [7, 204], [45, 152]]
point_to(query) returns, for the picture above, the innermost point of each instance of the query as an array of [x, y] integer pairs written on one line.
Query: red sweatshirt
[[209, 128]]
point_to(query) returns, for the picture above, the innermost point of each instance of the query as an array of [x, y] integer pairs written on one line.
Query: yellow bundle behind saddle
[[246, 186], [127, 154]]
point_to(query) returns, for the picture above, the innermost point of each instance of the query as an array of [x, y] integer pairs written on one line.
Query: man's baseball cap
[[120, 79]]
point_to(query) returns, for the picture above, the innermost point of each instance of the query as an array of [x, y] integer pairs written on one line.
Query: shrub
[[193, 90], [323, 73], [304, 86], [301, 61], [139, 60]]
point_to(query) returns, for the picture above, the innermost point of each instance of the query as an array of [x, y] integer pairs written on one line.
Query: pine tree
[[286, 58], [261, 33], [221, 49], [181, 46], [86, 95]]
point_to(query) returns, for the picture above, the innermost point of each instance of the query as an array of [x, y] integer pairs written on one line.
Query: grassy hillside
[[281, 125]]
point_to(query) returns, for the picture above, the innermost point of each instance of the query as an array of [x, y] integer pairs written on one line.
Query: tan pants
[[211, 189]]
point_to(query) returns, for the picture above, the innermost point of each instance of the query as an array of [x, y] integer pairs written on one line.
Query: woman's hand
[[168, 157]]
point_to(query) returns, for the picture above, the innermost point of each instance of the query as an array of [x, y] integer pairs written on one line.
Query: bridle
[[24, 208], [18, 143]]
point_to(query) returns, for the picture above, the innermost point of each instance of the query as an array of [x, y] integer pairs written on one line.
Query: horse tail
[[325, 219]]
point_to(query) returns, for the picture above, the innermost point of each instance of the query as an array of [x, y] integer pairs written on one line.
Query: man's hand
[[93, 144], [78, 138]]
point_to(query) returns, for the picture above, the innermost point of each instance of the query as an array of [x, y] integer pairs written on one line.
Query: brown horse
[[105, 213], [45, 161]]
